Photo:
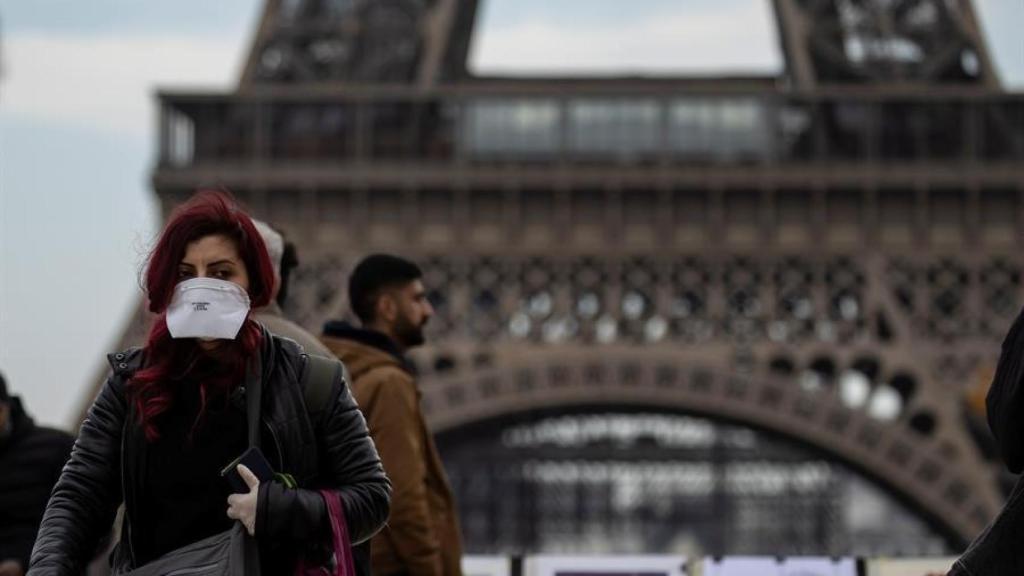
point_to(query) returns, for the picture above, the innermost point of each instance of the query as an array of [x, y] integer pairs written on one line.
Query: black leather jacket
[[329, 449], [999, 550]]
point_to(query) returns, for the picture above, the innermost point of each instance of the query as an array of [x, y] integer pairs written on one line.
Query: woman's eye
[[182, 274], [222, 274]]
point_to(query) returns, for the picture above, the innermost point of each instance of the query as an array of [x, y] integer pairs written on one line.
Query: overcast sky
[[77, 133]]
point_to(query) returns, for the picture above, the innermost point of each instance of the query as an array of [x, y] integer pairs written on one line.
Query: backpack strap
[[318, 379]]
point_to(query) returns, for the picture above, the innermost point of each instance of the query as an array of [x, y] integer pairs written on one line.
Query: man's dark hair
[[374, 274], [4, 395], [289, 261]]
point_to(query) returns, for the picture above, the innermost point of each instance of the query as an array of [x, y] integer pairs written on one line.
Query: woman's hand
[[242, 507]]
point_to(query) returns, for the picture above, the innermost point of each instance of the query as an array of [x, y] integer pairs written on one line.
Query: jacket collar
[[344, 331], [267, 357]]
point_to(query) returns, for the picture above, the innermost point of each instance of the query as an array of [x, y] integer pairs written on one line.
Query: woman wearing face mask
[[173, 413]]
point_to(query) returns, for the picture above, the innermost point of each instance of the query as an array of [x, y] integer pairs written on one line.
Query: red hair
[[153, 389]]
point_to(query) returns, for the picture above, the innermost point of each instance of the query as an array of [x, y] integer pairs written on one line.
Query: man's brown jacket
[[422, 536]]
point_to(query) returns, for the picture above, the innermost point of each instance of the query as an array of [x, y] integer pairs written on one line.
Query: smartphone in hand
[[254, 460]]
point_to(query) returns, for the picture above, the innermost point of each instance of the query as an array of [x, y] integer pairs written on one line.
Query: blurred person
[[422, 535], [31, 458], [997, 550], [283, 258], [172, 414]]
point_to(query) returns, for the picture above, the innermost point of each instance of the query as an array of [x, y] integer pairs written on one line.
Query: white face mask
[[207, 308]]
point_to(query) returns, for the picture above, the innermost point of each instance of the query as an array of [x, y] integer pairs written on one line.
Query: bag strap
[[318, 379], [253, 396], [344, 564]]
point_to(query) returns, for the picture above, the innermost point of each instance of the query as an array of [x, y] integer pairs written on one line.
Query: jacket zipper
[[277, 445], [126, 491]]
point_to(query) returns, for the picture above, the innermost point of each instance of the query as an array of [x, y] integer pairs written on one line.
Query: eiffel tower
[[715, 314]]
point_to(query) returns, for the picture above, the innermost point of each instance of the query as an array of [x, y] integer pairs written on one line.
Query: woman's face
[[213, 257]]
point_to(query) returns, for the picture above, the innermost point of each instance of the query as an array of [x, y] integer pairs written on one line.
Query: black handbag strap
[[253, 396]]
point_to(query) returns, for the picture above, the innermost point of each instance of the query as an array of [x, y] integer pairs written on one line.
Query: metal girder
[[883, 42], [373, 41]]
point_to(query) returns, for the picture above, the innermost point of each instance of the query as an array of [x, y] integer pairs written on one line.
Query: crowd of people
[[235, 434]]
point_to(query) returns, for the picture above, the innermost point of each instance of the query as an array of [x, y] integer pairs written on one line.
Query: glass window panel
[[614, 126], [718, 128], [517, 127]]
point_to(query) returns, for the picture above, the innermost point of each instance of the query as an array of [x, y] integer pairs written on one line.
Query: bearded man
[[387, 295]]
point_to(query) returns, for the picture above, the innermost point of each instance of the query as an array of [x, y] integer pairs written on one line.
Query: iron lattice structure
[[829, 257]]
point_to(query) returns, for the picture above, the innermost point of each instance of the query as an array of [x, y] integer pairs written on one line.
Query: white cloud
[[107, 83], [733, 37]]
